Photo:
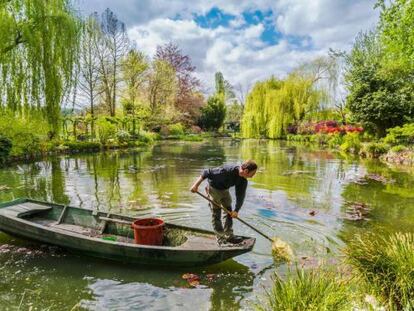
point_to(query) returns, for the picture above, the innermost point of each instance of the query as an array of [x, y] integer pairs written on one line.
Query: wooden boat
[[110, 236]]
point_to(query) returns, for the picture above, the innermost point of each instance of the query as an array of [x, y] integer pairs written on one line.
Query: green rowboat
[[110, 236]]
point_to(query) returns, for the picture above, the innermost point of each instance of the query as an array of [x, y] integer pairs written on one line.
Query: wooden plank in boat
[[19, 210]]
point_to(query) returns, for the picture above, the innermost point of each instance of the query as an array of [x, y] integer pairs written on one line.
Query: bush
[[5, 147], [147, 137], [106, 130], [398, 148], [335, 140], [400, 135], [82, 146], [25, 133], [386, 264], [308, 290], [213, 114], [374, 150], [176, 129], [351, 143], [123, 136], [320, 139]]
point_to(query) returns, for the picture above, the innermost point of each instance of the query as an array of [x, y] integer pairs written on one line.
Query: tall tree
[[397, 31], [134, 74], [38, 48], [112, 46], [274, 104], [89, 78], [162, 86], [224, 87], [380, 96], [187, 98]]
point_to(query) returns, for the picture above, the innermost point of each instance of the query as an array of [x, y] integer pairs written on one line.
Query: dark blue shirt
[[226, 176]]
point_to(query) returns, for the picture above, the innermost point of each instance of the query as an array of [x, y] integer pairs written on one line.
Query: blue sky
[[246, 40]]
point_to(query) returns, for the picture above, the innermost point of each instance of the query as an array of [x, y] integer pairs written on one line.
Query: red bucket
[[148, 231]]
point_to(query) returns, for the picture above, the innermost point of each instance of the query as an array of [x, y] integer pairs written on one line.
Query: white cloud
[[237, 50]]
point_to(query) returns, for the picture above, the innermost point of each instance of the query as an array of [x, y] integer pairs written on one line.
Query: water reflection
[[299, 194]]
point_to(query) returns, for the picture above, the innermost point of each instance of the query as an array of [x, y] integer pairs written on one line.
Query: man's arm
[[194, 187], [240, 195]]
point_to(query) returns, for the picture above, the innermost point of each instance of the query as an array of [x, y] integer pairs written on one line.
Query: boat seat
[[24, 209]]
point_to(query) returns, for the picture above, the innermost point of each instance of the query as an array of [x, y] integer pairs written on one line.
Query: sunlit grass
[[309, 290], [386, 264]]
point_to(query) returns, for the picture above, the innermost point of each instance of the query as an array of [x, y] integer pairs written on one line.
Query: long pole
[[238, 218]]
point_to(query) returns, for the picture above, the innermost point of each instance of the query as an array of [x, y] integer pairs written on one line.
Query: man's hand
[[234, 214], [194, 188]]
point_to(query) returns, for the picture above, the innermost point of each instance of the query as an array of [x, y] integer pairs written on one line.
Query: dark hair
[[249, 165]]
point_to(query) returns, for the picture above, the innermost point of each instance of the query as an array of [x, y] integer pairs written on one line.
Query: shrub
[[386, 264], [308, 290], [24, 133], [320, 139], [176, 129], [5, 147], [400, 135], [374, 150], [147, 137], [306, 128], [123, 136], [106, 130], [335, 140], [82, 146], [398, 148], [213, 114], [351, 143]]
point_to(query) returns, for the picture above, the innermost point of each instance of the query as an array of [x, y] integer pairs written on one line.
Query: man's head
[[248, 169]]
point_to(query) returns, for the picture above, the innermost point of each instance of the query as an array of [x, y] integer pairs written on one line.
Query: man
[[220, 179]]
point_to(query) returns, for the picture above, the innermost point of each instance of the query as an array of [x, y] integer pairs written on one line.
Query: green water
[[293, 182]]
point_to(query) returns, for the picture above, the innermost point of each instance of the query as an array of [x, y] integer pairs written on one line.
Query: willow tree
[[273, 105], [38, 47]]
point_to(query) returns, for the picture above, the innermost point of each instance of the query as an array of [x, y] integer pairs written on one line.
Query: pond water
[[303, 195]]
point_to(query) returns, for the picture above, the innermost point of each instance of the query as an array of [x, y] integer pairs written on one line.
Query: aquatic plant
[[308, 290], [386, 264]]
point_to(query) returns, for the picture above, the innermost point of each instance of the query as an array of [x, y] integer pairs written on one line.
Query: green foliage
[[386, 264], [380, 94], [320, 139], [38, 48], [81, 146], [5, 147], [274, 104], [351, 143], [401, 135], [374, 149], [308, 290], [398, 148], [106, 130], [397, 31], [147, 137], [176, 129], [213, 114], [335, 140], [24, 133], [123, 136]]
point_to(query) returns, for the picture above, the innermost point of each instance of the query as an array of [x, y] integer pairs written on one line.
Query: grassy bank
[[380, 276], [35, 147]]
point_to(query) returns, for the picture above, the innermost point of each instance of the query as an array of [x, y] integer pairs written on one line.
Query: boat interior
[[109, 227]]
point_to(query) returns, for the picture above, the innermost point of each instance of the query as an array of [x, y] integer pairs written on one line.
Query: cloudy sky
[[245, 40]]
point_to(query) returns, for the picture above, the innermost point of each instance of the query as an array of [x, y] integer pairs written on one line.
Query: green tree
[[161, 93], [38, 48], [380, 96], [274, 104], [134, 73], [213, 114], [397, 31]]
